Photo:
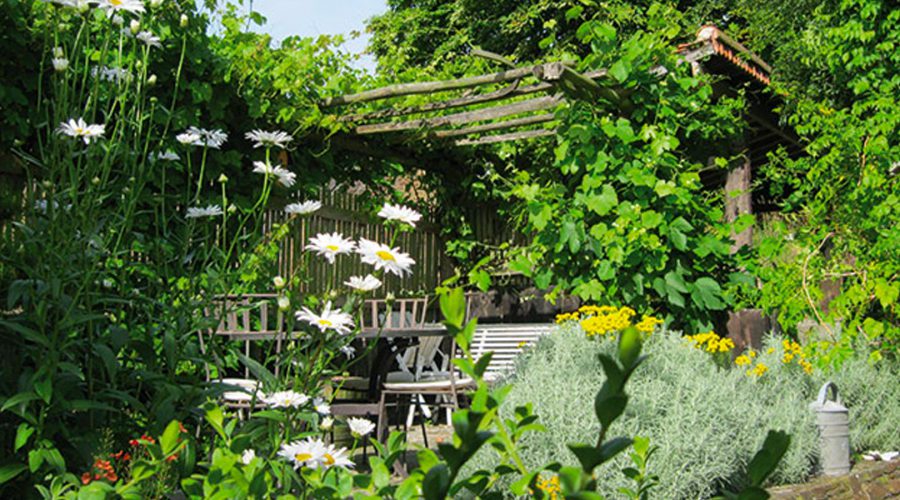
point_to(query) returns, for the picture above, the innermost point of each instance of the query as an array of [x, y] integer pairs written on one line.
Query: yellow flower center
[[329, 460], [116, 2], [325, 322], [302, 457], [333, 248], [385, 255], [79, 131]]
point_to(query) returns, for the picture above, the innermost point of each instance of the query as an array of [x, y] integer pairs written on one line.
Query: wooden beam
[[513, 136], [489, 127], [536, 104], [513, 90], [402, 89], [582, 86]]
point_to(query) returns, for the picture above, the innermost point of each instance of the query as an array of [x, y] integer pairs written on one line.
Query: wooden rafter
[[490, 127], [403, 89], [512, 136], [484, 114]]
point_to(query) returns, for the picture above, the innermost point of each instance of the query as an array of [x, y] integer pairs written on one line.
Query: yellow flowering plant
[[601, 321]]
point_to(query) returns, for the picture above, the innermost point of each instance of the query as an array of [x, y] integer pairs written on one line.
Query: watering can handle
[[823, 393]]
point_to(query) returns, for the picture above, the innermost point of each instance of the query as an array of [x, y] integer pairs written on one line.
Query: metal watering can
[[833, 421]]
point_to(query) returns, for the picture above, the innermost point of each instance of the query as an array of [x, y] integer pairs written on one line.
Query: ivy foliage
[[621, 217], [845, 195]]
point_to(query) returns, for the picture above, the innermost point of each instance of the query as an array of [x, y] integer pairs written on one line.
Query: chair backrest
[[506, 341], [398, 314], [250, 315], [247, 318], [419, 358]]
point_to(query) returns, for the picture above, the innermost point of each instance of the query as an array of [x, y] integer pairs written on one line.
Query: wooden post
[[739, 200]]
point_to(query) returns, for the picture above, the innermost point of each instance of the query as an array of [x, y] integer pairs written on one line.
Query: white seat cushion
[[434, 384]]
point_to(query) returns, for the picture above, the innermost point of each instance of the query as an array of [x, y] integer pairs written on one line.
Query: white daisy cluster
[[264, 139], [194, 136], [314, 453], [284, 176]]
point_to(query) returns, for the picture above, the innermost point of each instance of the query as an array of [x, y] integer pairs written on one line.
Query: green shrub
[[706, 420]]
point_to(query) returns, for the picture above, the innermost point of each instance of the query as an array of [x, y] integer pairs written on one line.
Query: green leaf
[[436, 482], [19, 398], [707, 294], [23, 432], [630, 343], [453, 307], [10, 471], [609, 409], [619, 71], [170, 438], [604, 202], [767, 458]]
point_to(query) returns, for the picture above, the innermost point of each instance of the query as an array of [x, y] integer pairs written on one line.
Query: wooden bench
[[506, 341]]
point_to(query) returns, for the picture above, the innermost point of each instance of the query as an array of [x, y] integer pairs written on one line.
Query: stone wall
[[868, 480]]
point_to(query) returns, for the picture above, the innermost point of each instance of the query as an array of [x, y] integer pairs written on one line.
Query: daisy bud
[[131, 179], [232, 209], [95, 181], [47, 184], [223, 178], [184, 20], [278, 281], [326, 424], [58, 52], [134, 26], [390, 297], [118, 20], [151, 80], [155, 3], [284, 303]]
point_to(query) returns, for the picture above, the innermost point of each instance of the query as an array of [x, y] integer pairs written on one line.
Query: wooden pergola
[[519, 110]]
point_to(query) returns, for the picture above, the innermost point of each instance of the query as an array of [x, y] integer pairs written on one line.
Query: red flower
[[134, 442], [181, 428], [148, 439], [172, 458], [111, 476], [86, 478], [126, 457]]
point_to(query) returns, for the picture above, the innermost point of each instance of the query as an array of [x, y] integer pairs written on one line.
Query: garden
[[613, 249]]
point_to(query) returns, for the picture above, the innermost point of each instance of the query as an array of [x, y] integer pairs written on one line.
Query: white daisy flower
[[262, 167], [309, 452], [262, 138], [335, 457], [303, 208], [115, 6], [330, 245], [188, 138], [169, 155], [383, 256], [336, 320], [248, 456], [80, 128], [149, 39], [208, 138], [366, 284], [60, 64], [314, 453], [285, 177], [360, 427], [286, 399], [321, 406], [348, 351], [400, 213], [209, 211], [117, 75]]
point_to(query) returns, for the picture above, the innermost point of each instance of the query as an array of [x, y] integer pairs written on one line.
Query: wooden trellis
[[493, 115]]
